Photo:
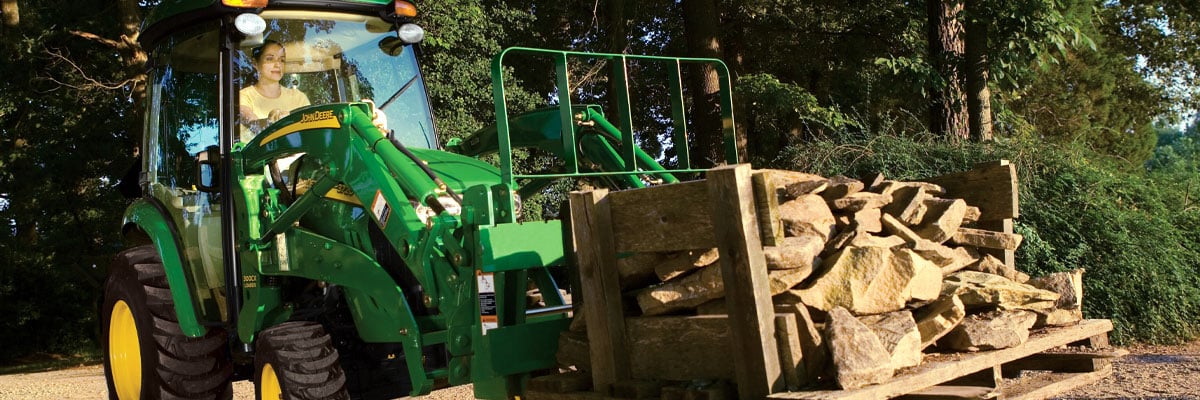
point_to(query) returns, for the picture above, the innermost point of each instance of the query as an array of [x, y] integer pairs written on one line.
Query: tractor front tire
[[146, 354], [297, 361]]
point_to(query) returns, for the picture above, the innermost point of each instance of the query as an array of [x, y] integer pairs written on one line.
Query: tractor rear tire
[[297, 361], [146, 354]]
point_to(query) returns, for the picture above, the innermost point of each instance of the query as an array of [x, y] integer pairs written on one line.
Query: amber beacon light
[[405, 9]]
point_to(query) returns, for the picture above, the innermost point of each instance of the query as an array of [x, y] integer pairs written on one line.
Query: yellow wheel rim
[[268, 385], [124, 352]]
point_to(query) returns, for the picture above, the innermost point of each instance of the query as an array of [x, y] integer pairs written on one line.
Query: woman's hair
[[257, 52]]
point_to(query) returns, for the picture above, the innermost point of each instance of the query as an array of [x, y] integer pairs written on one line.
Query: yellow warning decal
[[343, 193], [313, 120]]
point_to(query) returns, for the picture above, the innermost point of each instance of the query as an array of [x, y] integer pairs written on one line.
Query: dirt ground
[[1148, 372]]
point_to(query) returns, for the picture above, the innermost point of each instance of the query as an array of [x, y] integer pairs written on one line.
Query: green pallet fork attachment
[[590, 144], [596, 138]]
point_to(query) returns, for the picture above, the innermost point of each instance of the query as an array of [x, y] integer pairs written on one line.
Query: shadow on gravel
[[1131, 398], [42, 362], [1160, 359]]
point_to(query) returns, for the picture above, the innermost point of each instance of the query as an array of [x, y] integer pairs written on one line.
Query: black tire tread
[[186, 368], [304, 359]]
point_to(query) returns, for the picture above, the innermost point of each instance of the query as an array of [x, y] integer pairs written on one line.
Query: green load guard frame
[[630, 160]]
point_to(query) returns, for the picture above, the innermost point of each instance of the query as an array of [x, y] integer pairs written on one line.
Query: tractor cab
[[331, 57]]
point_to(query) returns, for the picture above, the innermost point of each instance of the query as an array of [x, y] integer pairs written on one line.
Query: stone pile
[[876, 274]]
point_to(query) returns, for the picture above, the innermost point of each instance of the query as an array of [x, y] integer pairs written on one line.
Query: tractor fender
[[148, 216]]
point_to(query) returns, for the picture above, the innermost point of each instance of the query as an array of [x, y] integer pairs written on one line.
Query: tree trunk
[[22, 204], [700, 26], [979, 97], [135, 61], [614, 15], [9, 13], [736, 42], [948, 108]]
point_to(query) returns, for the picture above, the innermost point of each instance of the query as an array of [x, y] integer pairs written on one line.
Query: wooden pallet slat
[[990, 186], [747, 287], [984, 384], [936, 372], [592, 226], [1053, 383], [1064, 362], [766, 200], [662, 218]]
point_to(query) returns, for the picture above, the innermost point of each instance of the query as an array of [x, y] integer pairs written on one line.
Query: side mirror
[[392, 46], [208, 170]]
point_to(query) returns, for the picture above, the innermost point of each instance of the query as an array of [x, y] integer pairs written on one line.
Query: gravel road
[[87, 382], [1148, 372]]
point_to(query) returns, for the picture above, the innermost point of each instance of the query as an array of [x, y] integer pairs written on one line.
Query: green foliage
[[65, 140], [1027, 34], [782, 114], [1132, 231], [462, 36], [1177, 152], [1165, 35], [1096, 100], [847, 54]]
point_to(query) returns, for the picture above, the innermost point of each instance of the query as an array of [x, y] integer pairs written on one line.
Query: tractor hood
[[459, 172]]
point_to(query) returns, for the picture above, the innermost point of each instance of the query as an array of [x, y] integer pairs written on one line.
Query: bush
[[1131, 231]]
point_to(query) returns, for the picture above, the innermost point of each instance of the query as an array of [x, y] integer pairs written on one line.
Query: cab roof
[[171, 15]]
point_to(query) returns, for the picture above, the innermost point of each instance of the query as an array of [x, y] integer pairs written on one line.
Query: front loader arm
[[351, 150], [346, 148]]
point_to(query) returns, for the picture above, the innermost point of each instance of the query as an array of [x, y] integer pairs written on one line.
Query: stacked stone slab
[[876, 275]]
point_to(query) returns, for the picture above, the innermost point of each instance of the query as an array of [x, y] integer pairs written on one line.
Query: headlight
[[250, 24], [411, 33]]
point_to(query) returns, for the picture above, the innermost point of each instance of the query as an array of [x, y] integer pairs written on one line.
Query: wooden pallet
[[1039, 369], [752, 346], [981, 375]]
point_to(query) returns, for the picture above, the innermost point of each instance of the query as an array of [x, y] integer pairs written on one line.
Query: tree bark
[[617, 36], [948, 108], [614, 15], [979, 97], [135, 61], [735, 43], [700, 25], [10, 14]]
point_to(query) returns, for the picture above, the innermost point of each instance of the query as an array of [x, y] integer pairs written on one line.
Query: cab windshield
[[325, 57]]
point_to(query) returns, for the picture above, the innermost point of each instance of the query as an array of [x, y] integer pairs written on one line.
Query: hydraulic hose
[[421, 164]]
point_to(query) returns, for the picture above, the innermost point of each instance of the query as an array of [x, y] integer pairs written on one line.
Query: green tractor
[[324, 253]]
